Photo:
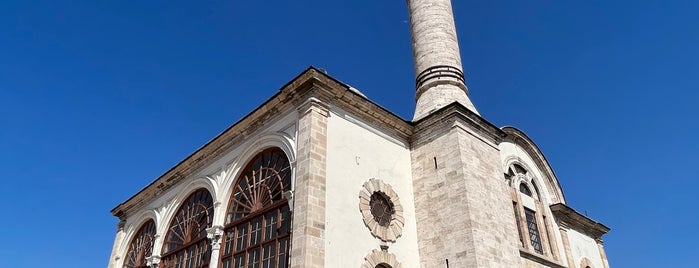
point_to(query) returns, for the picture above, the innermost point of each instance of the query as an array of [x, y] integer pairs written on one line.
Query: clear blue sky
[[98, 98]]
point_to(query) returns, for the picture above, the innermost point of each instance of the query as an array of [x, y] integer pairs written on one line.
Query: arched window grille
[[258, 221], [185, 243], [141, 246]]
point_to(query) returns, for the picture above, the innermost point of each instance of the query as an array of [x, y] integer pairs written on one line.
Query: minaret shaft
[[439, 78]]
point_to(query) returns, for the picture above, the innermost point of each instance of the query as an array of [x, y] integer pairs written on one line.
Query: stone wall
[[463, 210]]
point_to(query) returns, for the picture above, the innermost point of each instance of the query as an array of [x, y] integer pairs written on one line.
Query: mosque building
[[321, 176]]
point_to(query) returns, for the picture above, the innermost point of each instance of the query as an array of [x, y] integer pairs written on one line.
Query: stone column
[[214, 234], [114, 257], [308, 244], [439, 78]]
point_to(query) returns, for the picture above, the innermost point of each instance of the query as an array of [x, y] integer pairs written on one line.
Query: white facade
[[358, 152]]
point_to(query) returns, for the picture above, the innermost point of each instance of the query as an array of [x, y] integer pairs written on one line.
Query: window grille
[[258, 221], [185, 243], [533, 230], [141, 246]]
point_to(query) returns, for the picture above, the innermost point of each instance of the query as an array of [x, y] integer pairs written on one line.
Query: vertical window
[[185, 243], [533, 230], [257, 231], [141, 246]]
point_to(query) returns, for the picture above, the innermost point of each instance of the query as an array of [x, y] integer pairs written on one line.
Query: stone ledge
[[571, 218]]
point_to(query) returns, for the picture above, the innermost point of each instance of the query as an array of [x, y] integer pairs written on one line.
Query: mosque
[[321, 176]]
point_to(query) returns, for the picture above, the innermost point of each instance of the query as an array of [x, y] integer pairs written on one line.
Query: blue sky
[[98, 98]]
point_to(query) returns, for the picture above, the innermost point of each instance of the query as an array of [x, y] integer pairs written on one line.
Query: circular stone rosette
[[381, 210]]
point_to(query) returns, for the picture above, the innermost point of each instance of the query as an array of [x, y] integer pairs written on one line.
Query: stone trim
[[585, 262], [377, 257], [549, 178], [539, 258], [395, 227], [455, 115]]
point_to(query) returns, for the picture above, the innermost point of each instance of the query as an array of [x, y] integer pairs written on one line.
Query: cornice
[[456, 115], [312, 84], [569, 218]]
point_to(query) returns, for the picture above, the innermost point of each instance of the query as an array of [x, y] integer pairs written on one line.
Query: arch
[[549, 180], [141, 246], [258, 217], [520, 176], [172, 206], [185, 242], [586, 263], [380, 259], [279, 140], [134, 222]]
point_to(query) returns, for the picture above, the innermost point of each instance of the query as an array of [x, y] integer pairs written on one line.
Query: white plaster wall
[[583, 246], [356, 153]]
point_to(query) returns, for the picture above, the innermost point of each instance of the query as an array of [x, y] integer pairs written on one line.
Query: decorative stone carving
[[381, 210], [153, 261], [214, 234], [380, 257]]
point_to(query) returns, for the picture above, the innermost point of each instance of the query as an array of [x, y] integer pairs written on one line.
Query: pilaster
[[308, 246], [566, 244], [114, 257], [602, 253]]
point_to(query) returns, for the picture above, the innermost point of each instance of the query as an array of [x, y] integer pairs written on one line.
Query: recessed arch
[[549, 180], [257, 221], [185, 243], [278, 140], [141, 246]]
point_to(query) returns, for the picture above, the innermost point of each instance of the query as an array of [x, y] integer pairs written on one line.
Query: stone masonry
[[308, 244], [462, 203], [438, 70]]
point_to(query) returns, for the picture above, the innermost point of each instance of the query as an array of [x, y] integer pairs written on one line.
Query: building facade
[[321, 176]]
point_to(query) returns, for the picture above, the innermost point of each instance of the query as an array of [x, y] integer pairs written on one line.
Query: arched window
[[525, 190], [185, 243], [258, 218], [141, 246], [519, 169]]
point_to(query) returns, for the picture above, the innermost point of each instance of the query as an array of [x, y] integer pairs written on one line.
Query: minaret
[[439, 77], [463, 207]]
